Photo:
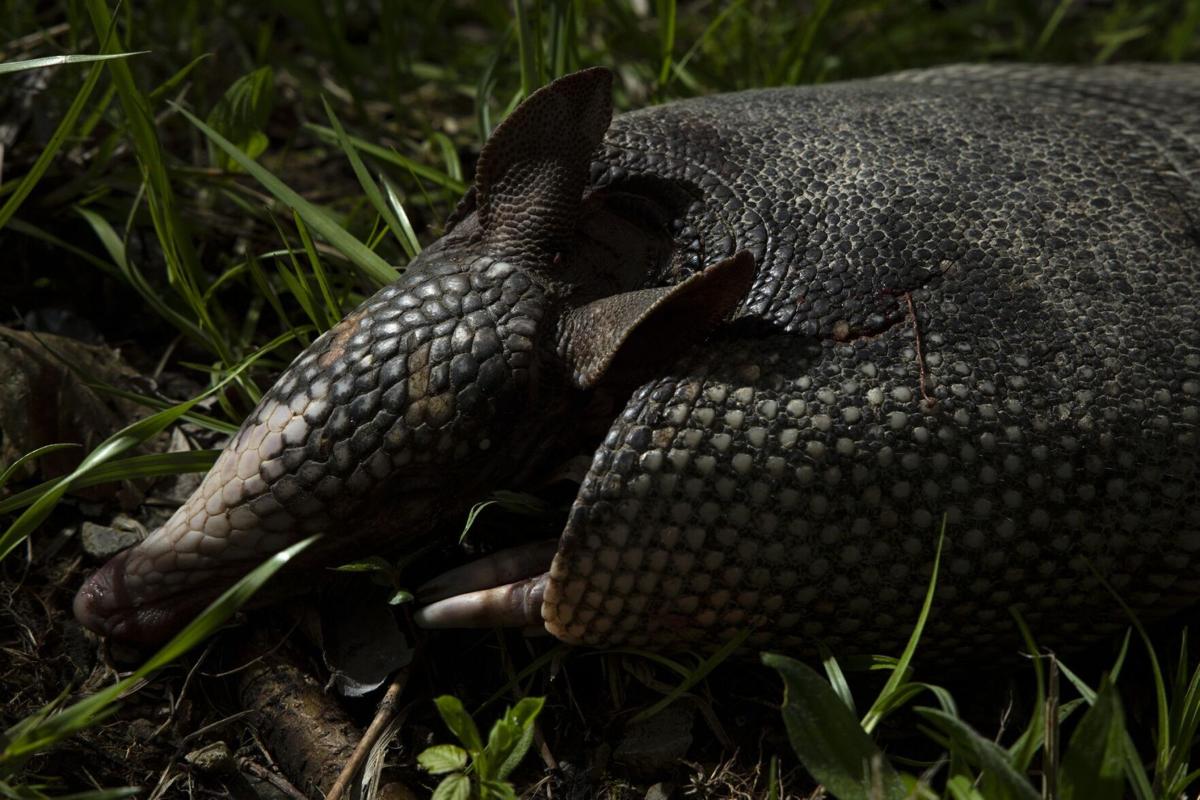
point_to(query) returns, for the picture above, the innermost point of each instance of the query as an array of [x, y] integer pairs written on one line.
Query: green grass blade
[[121, 441], [208, 423], [22, 227], [182, 263], [828, 739], [332, 311], [369, 263], [876, 712], [55, 727], [679, 68], [696, 675], [42, 163], [1051, 26], [7, 67], [472, 515], [1182, 35], [113, 243], [126, 438], [449, 155], [408, 239], [1029, 742], [666, 30], [1163, 741], [961, 787], [798, 60], [144, 466], [837, 678], [241, 115], [364, 179], [45, 449], [392, 157], [527, 49]]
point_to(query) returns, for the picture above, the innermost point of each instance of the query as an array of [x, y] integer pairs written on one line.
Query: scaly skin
[[1046, 224], [975, 293]]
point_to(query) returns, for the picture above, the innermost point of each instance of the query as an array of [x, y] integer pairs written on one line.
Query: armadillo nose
[[103, 596], [108, 605]]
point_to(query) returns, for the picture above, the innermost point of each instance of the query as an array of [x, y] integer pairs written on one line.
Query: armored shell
[[966, 294]]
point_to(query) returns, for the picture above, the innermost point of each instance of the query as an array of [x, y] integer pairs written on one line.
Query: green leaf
[[1094, 766], [525, 712], [502, 738], [370, 564], [497, 790], [442, 758], [400, 597], [53, 61], [983, 754], [828, 739], [367, 260], [516, 752], [241, 114], [453, 787], [459, 722], [512, 735]]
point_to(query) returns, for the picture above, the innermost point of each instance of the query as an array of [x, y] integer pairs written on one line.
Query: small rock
[[102, 541], [659, 743], [660, 791], [212, 759]]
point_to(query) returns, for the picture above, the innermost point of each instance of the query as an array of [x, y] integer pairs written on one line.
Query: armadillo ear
[[626, 335], [532, 172]]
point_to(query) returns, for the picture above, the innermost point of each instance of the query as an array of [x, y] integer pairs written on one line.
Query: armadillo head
[[441, 386]]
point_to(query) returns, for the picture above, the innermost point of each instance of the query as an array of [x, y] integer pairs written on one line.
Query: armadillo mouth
[[504, 589], [106, 605]]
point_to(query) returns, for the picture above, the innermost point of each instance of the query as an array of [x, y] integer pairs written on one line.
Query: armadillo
[[828, 323]]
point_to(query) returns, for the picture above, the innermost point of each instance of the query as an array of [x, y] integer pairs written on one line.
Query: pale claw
[[513, 605], [497, 569]]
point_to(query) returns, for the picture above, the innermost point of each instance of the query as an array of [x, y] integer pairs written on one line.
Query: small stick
[[388, 708], [270, 776], [912, 310]]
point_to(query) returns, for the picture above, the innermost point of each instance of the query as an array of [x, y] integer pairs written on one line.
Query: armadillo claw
[[514, 605], [505, 566]]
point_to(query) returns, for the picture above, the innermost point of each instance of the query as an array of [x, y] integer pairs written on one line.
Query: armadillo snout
[[109, 606]]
